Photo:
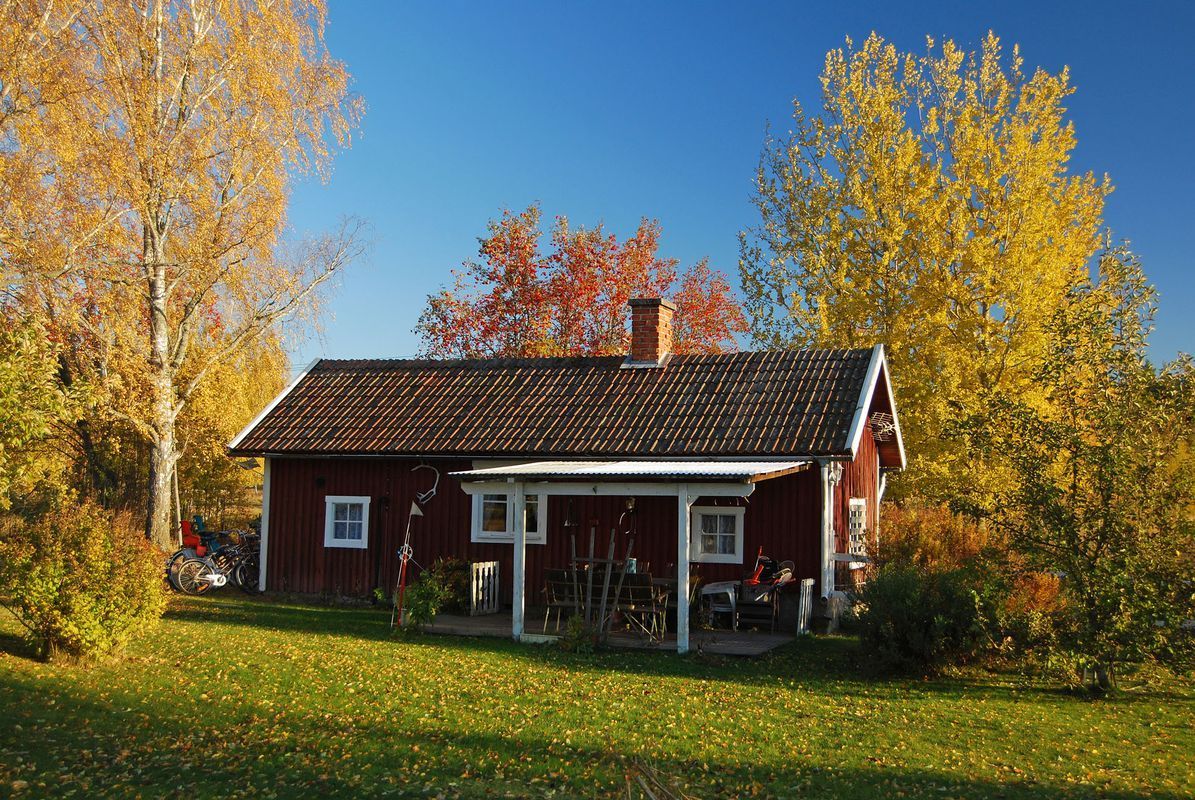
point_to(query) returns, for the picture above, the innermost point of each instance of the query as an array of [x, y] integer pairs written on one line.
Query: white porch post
[[683, 503], [831, 473], [265, 527], [520, 561]]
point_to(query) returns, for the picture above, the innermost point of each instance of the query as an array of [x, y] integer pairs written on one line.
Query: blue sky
[[623, 110]]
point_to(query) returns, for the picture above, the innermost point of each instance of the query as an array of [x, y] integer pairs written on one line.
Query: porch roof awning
[[668, 471]]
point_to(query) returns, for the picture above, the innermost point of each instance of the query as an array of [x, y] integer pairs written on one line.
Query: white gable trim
[[877, 367], [900, 439], [253, 424]]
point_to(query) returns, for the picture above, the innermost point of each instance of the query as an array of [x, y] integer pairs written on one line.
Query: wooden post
[[520, 559], [589, 578], [576, 581], [683, 503], [622, 576], [606, 585]]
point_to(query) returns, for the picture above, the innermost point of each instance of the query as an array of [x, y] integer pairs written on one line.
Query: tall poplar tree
[[928, 204]]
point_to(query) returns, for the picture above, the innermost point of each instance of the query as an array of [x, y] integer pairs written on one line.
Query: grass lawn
[[237, 697]]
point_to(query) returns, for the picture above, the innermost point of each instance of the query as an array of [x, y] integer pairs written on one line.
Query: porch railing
[[483, 588]]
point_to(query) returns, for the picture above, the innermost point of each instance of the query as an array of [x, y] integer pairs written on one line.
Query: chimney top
[[651, 302], [651, 331]]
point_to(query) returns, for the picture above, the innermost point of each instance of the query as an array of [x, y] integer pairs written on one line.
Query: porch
[[512, 488], [751, 644]]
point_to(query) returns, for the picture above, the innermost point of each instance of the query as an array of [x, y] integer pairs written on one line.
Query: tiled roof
[[790, 403]]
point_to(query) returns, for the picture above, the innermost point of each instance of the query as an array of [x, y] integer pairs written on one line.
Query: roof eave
[[245, 431]]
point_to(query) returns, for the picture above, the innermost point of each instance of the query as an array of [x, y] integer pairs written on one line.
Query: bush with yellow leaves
[[81, 580]]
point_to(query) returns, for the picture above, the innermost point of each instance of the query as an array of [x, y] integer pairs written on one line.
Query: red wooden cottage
[[723, 454]]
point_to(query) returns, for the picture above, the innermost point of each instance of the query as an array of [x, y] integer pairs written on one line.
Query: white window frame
[[858, 559], [330, 502], [695, 554], [507, 536]]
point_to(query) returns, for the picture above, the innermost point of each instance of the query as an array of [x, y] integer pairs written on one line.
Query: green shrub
[[578, 637], [423, 600], [81, 580], [453, 574], [922, 620]]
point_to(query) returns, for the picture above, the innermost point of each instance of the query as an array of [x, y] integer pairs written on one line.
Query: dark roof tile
[[784, 403]]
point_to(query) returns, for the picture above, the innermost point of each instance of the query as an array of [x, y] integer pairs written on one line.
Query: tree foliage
[[928, 206], [146, 161], [519, 301], [33, 404], [1102, 477]]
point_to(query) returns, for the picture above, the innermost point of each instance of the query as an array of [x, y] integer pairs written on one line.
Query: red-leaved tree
[[517, 301]]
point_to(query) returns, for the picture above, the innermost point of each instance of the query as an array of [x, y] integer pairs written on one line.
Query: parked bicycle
[[211, 559]]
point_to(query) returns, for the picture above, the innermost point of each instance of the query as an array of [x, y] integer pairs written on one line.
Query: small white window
[[857, 525], [494, 518], [716, 535], [346, 521]]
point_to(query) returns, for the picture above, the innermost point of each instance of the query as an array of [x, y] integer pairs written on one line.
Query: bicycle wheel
[[191, 576], [247, 574], [172, 566]]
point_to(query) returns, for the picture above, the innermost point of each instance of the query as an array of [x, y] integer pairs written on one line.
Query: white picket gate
[[483, 588]]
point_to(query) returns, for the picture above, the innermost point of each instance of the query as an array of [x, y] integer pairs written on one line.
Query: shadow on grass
[[98, 747], [266, 612], [807, 661], [16, 645]]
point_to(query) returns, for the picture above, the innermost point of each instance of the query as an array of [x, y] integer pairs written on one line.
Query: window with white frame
[[494, 518], [857, 526], [716, 534], [346, 521]]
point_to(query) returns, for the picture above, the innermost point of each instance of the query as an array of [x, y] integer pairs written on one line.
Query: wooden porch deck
[[714, 642]]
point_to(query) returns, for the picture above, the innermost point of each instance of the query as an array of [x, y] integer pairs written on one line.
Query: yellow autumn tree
[[927, 205], [148, 155]]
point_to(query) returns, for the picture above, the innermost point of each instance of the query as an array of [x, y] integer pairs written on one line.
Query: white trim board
[[270, 407], [621, 489], [264, 548], [877, 367]]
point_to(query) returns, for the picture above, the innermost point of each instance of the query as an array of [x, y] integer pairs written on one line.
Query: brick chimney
[[651, 331]]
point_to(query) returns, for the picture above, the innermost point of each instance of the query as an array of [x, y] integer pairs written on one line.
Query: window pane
[[340, 510], [532, 516], [493, 513], [353, 530], [726, 545], [709, 543], [355, 511], [726, 523], [340, 530], [709, 523]]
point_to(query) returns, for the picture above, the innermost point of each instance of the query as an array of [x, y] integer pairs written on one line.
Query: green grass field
[[235, 697]]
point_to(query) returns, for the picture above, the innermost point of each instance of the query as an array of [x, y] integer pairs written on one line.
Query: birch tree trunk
[[164, 412]]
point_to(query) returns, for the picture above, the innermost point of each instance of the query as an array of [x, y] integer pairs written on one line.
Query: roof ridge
[[533, 361]]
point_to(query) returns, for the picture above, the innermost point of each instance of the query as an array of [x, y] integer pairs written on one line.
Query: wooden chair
[[558, 595], [642, 605], [756, 607]]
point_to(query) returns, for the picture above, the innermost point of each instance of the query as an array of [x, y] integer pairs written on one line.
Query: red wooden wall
[[783, 516], [860, 478]]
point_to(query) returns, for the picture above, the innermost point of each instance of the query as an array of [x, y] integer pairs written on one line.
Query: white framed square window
[[857, 526], [716, 534], [494, 518], [346, 521]]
